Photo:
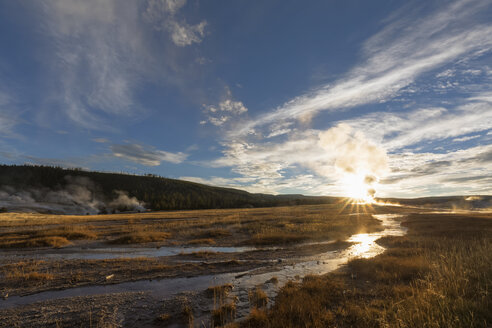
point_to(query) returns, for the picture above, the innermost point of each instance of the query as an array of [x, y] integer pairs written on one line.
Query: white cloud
[[103, 52], [225, 110], [406, 49], [396, 56], [97, 57], [465, 171], [398, 130], [162, 13], [446, 73], [462, 139], [100, 140], [8, 113], [146, 155], [184, 35], [307, 183], [301, 152]]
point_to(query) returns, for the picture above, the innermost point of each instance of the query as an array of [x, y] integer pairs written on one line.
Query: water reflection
[[366, 245]]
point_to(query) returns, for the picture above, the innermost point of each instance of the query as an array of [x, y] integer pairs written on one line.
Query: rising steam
[[359, 163], [80, 195]]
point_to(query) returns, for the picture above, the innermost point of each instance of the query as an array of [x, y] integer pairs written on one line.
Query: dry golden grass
[[258, 226], [52, 237], [212, 233], [36, 242], [164, 318], [187, 314], [220, 291], [139, 237], [257, 298], [226, 313], [203, 241], [27, 271], [439, 275], [68, 232], [224, 309]]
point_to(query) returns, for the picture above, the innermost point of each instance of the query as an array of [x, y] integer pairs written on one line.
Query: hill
[[58, 190], [471, 202]]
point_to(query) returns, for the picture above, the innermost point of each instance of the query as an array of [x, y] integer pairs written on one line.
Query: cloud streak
[[104, 52], [396, 56], [410, 46], [343, 148], [146, 155], [162, 14]]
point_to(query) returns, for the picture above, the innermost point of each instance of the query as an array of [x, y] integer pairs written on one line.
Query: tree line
[[158, 193]]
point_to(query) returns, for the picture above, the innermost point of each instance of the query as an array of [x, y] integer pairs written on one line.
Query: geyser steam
[[359, 163], [80, 195]]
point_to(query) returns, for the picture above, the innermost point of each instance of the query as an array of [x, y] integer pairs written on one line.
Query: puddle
[[364, 246]]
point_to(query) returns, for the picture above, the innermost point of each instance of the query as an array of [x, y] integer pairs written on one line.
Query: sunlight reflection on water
[[366, 245]]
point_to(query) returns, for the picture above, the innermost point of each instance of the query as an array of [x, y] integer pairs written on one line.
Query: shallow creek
[[364, 246]]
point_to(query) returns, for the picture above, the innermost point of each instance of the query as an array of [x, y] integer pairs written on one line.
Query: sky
[[309, 97]]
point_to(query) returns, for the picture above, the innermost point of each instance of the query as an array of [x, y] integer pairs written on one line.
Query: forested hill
[[96, 192]]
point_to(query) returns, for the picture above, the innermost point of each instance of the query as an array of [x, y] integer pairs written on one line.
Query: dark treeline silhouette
[[156, 192]]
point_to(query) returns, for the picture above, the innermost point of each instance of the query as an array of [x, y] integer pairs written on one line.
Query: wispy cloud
[[307, 183], [398, 130], [224, 111], [100, 140], [103, 52], [303, 152], [163, 15], [97, 54], [408, 47], [454, 172], [466, 138], [395, 57], [146, 155], [9, 112]]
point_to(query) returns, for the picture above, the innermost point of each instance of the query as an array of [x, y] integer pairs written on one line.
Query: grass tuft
[[37, 242], [140, 237], [203, 241]]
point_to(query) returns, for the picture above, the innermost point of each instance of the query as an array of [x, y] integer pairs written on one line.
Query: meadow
[[437, 275], [38, 234]]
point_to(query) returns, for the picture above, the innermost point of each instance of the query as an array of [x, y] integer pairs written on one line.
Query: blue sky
[[268, 96]]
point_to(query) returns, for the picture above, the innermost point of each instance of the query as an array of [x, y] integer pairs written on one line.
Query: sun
[[356, 187]]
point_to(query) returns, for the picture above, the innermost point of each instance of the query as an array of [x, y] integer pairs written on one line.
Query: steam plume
[[355, 156], [80, 195]]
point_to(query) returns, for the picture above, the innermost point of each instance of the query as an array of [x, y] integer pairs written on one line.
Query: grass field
[[35, 234], [438, 275], [264, 226]]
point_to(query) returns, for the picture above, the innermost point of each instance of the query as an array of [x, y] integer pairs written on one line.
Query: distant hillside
[[448, 202], [58, 190]]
